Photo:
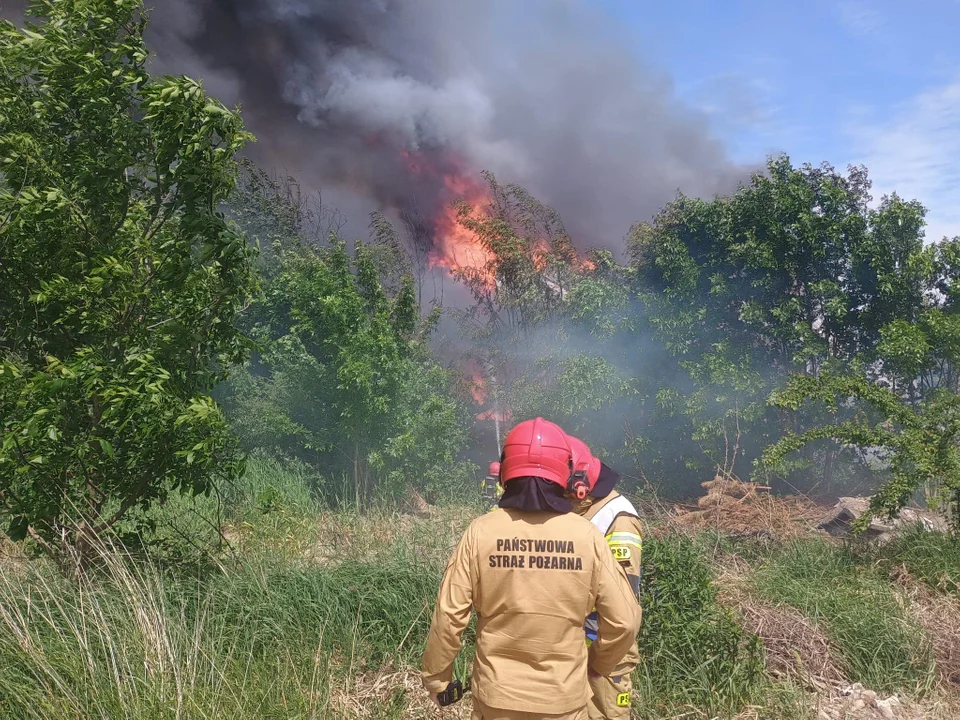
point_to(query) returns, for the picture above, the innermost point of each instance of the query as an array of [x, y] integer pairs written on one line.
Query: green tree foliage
[[532, 298], [121, 281], [670, 361], [794, 273], [343, 377], [919, 442]]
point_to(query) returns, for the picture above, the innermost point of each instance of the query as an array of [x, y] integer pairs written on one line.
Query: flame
[[455, 247], [504, 416], [541, 252], [478, 388]]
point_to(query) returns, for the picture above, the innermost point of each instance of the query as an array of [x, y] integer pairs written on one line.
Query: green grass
[[694, 652], [313, 603], [931, 557], [281, 627], [257, 641], [857, 607]]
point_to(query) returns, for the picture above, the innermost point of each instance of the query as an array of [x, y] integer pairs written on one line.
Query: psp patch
[[620, 552], [623, 700]]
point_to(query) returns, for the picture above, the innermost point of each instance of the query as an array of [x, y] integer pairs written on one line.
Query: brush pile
[[741, 509]]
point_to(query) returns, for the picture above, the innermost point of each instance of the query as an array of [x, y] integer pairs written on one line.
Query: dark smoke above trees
[[337, 92]]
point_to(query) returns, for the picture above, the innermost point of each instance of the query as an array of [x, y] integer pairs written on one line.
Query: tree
[[793, 273], [121, 279], [918, 442], [342, 377]]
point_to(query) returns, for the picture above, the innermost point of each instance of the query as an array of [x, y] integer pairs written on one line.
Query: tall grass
[[932, 557], [130, 644], [278, 628], [310, 603], [258, 641], [859, 610], [694, 653]]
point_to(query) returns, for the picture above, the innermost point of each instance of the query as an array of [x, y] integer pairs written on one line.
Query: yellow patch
[[621, 553], [623, 700]]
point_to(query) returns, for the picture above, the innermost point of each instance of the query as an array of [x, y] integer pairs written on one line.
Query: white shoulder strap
[[608, 513]]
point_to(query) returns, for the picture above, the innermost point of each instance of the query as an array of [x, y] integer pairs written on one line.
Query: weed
[[932, 557]]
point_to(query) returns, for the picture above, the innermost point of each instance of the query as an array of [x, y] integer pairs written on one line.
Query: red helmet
[[537, 448], [494, 469], [586, 467]]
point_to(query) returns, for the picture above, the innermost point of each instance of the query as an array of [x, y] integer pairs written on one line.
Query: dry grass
[[856, 703], [11, 555], [939, 616], [390, 694], [744, 509], [798, 651], [332, 536], [345, 535], [795, 648]]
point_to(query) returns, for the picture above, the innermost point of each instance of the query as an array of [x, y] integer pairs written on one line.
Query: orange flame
[[478, 388], [541, 252], [455, 247]]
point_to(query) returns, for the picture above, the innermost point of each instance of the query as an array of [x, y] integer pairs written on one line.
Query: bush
[[692, 651], [122, 283]]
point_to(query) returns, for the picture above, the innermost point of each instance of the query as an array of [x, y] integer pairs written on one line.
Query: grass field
[[314, 613]]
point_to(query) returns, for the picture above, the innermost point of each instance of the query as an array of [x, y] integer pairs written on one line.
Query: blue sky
[[849, 81]]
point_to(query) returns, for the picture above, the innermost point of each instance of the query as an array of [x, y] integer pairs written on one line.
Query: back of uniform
[[532, 578]]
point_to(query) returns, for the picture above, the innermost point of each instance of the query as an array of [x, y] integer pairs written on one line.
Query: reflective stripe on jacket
[[619, 522]]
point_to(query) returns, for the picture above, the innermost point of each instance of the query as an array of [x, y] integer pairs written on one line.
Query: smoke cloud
[[550, 94], [544, 93]]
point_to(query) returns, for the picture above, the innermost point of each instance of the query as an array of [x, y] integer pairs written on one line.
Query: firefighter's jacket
[[532, 579], [617, 519]]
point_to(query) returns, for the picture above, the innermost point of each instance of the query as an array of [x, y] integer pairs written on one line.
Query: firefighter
[[615, 517], [491, 488], [532, 570]]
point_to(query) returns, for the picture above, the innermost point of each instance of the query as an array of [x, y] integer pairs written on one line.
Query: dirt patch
[[744, 509]]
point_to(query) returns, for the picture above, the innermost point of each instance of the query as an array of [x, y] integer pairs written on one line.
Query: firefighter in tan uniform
[[615, 517], [532, 571]]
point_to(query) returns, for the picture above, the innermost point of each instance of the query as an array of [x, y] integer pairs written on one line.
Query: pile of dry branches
[[745, 509]]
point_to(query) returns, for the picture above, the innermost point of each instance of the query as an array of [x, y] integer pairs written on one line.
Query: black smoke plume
[[544, 93], [550, 94]]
